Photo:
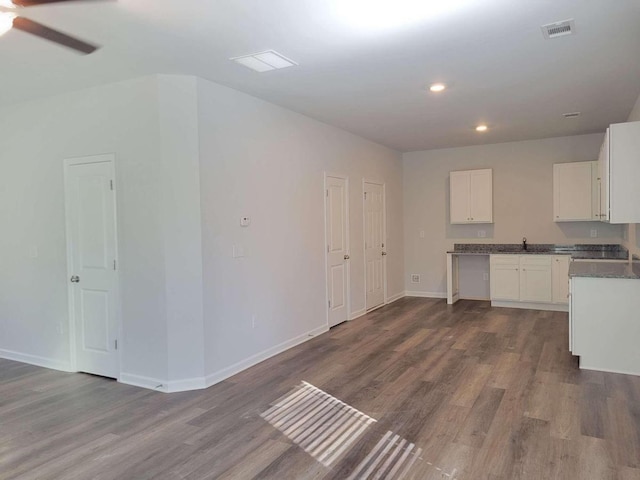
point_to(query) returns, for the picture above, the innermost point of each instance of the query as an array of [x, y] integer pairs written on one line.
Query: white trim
[[395, 297], [186, 384], [144, 382], [71, 322], [409, 293], [37, 360], [607, 370], [384, 236], [357, 314], [480, 299], [552, 307], [326, 242], [225, 373]]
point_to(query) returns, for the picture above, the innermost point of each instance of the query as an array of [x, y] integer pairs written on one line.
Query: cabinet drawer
[[535, 259], [504, 259]]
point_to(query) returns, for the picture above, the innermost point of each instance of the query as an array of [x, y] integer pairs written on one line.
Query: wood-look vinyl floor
[[483, 393]]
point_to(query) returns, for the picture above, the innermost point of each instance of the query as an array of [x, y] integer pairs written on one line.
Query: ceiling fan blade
[[42, 31], [31, 3]]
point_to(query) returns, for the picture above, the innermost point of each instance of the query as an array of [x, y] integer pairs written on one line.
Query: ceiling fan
[[10, 19]]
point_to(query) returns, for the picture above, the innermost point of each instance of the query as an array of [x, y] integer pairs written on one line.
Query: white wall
[[191, 158], [523, 206], [268, 163], [36, 137]]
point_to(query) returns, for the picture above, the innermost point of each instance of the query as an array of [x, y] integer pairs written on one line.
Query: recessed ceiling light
[[264, 61], [437, 87], [481, 128]]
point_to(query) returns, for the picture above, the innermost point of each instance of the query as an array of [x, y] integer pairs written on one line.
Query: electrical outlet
[[415, 278], [59, 328], [485, 277], [253, 321], [422, 233], [482, 233], [594, 233]]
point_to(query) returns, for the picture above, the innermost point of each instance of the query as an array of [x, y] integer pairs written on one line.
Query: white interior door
[[337, 232], [374, 240], [91, 250]]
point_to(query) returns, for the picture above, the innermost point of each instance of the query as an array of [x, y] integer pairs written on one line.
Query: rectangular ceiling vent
[[571, 115], [558, 29], [264, 61]]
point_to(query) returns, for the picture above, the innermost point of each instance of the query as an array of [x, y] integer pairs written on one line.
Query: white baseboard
[[395, 297], [357, 313], [409, 293], [144, 382], [225, 373], [46, 362], [608, 370], [481, 299], [552, 307]]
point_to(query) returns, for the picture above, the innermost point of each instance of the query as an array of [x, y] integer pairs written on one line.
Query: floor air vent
[[558, 29]]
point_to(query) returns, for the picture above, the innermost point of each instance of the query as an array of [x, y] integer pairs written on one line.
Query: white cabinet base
[[552, 307], [605, 327]]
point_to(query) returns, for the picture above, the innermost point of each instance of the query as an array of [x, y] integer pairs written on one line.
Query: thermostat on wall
[[245, 221]]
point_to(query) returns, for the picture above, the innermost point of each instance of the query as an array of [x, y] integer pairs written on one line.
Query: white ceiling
[[369, 81]]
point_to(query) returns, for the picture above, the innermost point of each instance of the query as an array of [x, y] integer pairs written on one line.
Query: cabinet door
[[535, 283], [459, 183], [560, 278], [572, 191], [603, 164], [505, 277], [481, 196]]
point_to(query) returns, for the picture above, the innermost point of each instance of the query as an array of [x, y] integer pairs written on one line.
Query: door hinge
[[365, 195], [327, 248], [327, 193], [329, 303], [116, 343], [111, 184], [114, 264]]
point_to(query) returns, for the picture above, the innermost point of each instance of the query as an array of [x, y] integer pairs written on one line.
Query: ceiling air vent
[[558, 29], [571, 115], [264, 61]]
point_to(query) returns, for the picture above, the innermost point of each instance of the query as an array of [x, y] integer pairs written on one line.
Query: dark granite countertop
[[579, 252], [629, 270]]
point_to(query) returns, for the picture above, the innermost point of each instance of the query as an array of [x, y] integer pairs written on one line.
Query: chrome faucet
[[524, 243]]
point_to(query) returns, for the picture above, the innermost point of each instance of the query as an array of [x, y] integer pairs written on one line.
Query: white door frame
[[326, 242], [68, 162], [384, 236]]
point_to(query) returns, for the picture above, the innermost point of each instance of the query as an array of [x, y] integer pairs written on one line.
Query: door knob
[[75, 279], [346, 257], [384, 253]]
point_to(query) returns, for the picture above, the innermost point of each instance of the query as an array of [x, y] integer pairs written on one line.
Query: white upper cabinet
[[471, 196], [574, 193], [619, 164]]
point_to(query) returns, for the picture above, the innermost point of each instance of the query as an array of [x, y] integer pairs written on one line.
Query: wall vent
[[415, 278], [571, 115], [558, 29]]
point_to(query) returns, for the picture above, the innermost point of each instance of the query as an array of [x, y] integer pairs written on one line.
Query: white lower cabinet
[[604, 330], [560, 278], [535, 279], [505, 277]]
